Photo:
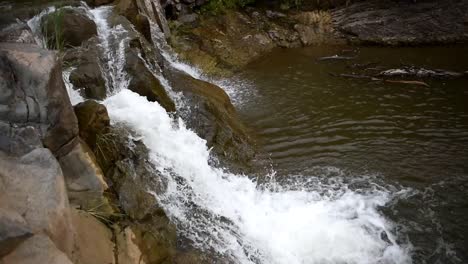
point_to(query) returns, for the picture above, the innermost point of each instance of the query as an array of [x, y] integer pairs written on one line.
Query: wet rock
[[214, 118], [87, 74], [420, 73], [18, 33], [33, 186], [93, 120], [126, 164], [67, 27], [392, 23], [84, 179], [13, 231], [128, 250], [144, 82], [34, 103], [37, 249], [93, 239]]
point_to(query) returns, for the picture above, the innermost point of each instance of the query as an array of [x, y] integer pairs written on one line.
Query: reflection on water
[[411, 135]]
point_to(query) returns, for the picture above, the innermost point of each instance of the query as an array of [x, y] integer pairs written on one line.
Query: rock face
[[31, 113], [37, 249], [390, 23], [33, 186], [87, 73], [13, 231], [93, 120], [67, 27], [214, 118]]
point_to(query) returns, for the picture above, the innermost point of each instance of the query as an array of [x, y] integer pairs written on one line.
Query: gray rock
[[13, 231], [37, 249], [33, 95], [33, 186], [67, 27], [18, 33]]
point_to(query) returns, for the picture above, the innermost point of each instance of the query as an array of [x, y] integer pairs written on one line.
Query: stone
[[34, 101], [214, 118], [33, 186], [87, 74], [144, 82], [93, 240], [67, 27], [18, 33], [93, 120], [128, 250], [13, 231], [37, 249], [84, 179]]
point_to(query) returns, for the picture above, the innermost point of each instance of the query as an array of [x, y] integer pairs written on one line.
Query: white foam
[[74, 95], [233, 216]]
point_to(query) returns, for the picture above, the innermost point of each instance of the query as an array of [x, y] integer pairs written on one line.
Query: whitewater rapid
[[232, 215]]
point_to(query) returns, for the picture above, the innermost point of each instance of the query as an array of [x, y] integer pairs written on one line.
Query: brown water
[[410, 136]]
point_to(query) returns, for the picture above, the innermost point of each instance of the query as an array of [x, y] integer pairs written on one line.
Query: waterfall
[[312, 219]]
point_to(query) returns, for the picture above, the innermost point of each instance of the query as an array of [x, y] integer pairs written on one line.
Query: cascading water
[[307, 221]]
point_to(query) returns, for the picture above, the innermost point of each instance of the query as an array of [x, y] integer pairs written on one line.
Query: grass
[[54, 40]]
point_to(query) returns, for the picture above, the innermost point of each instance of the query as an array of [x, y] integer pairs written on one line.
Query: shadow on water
[[305, 115]]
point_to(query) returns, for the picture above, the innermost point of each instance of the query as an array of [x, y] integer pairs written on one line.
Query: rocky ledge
[[225, 43]]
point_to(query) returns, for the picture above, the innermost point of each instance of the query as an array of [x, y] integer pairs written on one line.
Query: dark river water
[[411, 136]]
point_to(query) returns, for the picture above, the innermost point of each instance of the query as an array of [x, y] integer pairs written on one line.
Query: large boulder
[[37, 249], [93, 120], [143, 81], [33, 186], [126, 164], [67, 27], [93, 239], [87, 73], [13, 231], [34, 105], [213, 117]]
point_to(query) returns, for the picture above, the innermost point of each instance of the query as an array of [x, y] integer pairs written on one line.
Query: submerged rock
[[420, 73], [67, 27]]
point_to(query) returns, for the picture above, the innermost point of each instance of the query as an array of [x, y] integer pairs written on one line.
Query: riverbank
[[225, 43]]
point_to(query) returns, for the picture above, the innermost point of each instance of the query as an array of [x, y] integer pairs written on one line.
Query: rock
[[190, 18], [93, 239], [13, 231], [37, 249], [33, 186], [98, 2], [93, 120], [391, 23], [143, 80], [420, 73], [213, 118], [67, 27], [126, 163], [84, 179], [34, 101], [18, 33], [87, 74], [128, 250]]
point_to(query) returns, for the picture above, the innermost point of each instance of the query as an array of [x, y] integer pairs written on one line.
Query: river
[[409, 136]]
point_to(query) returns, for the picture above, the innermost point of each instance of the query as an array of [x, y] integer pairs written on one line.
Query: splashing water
[[74, 95], [231, 215]]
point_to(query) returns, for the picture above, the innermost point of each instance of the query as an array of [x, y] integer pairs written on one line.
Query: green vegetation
[[218, 6], [53, 31]]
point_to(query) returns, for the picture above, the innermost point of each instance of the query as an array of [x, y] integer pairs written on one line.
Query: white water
[[319, 225], [74, 95], [231, 215]]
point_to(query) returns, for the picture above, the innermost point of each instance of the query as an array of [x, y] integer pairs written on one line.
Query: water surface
[[411, 136]]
